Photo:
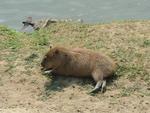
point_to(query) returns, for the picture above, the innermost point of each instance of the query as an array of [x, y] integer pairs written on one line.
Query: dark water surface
[[12, 12]]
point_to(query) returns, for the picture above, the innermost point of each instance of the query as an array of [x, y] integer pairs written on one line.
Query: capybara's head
[[54, 58]]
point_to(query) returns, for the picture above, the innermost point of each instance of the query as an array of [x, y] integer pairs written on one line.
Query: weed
[[146, 43]]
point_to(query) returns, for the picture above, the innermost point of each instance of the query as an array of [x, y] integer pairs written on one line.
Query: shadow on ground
[[58, 83]]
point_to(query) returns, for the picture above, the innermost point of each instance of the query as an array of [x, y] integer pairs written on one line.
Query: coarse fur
[[79, 62]]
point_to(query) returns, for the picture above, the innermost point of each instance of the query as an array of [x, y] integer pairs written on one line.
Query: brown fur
[[78, 62]]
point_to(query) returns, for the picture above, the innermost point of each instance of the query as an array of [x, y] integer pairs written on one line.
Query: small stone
[[78, 110], [109, 106], [146, 103], [148, 88], [73, 86], [111, 96], [70, 98]]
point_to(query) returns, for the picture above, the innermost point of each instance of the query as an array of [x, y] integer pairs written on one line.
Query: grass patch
[[10, 39], [5, 31], [146, 43], [39, 39], [12, 44]]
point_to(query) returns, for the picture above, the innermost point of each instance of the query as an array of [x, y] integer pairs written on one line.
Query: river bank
[[24, 89]]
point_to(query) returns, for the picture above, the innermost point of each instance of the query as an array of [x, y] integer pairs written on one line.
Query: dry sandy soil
[[23, 88]]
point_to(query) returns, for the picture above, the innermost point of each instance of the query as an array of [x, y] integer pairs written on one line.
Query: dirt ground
[[24, 89]]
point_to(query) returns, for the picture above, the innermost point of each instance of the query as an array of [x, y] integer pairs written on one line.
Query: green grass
[[10, 38], [146, 43]]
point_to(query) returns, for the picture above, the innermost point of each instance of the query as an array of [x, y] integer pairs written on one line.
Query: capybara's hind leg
[[98, 77], [103, 87], [97, 87]]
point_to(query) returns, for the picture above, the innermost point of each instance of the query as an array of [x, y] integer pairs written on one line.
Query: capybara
[[79, 62]]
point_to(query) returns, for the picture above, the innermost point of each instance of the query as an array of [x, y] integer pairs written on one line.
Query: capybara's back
[[79, 62], [91, 61]]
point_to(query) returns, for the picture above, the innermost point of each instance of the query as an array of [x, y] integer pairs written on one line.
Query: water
[[13, 12]]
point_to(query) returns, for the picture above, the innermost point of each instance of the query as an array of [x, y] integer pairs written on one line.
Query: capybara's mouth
[[46, 70]]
